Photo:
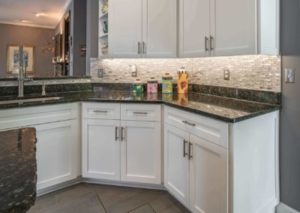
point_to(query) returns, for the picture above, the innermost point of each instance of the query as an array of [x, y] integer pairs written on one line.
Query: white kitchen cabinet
[[122, 143], [147, 29], [100, 149], [176, 169], [208, 180], [58, 140], [57, 152], [224, 28], [194, 28], [233, 27], [125, 28], [140, 152]]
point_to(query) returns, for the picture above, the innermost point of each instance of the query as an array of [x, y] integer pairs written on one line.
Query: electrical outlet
[[290, 75], [226, 74]]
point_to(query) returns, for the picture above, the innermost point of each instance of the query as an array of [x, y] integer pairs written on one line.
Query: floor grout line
[[101, 202]]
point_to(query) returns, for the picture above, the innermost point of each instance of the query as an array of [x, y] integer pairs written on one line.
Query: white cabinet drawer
[[203, 127], [27, 116], [101, 111], [141, 112]]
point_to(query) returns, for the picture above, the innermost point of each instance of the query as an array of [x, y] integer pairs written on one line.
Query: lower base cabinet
[[121, 150], [57, 153]]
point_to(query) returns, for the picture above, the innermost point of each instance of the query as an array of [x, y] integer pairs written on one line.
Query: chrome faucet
[[22, 71]]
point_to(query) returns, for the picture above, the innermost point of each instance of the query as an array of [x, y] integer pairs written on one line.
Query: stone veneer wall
[[256, 72]]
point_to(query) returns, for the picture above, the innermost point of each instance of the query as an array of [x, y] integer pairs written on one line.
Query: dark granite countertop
[[225, 109], [18, 170]]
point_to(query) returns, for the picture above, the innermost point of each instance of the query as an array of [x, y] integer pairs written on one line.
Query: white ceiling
[[13, 11]]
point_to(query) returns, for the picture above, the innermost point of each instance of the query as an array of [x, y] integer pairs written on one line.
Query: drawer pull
[[116, 133], [188, 123], [100, 111], [190, 151], [140, 113], [184, 148]]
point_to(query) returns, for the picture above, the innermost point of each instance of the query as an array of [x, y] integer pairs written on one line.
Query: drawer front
[[27, 116], [209, 129], [141, 112], [101, 111]]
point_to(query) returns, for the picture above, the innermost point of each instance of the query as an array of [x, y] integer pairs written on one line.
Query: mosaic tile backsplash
[[255, 72]]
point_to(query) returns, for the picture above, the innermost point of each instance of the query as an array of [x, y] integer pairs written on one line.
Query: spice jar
[[138, 86], [152, 86], [167, 83]]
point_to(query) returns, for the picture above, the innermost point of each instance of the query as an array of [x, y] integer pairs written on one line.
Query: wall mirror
[[51, 34]]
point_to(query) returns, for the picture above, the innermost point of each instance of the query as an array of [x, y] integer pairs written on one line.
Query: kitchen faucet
[[21, 75]]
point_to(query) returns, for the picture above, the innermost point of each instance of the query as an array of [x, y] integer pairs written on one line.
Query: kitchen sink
[[29, 100]]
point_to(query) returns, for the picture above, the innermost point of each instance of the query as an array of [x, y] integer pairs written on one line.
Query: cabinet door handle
[[212, 42], [140, 113], [144, 48], [189, 123], [184, 148], [139, 48], [122, 133], [190, 151], [100, 111], [116, 133], [206, 39]]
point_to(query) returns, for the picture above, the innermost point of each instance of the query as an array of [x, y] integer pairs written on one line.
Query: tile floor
[[90, 198]]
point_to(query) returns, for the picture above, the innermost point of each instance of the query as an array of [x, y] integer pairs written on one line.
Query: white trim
[[282, 208]]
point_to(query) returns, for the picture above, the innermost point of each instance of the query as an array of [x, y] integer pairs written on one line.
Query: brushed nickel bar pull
[[122, 133], [140, 113], [190, 151], [100, 111], [212, 43], [189, 123], [206, 39], [116, 133], [184, 148]]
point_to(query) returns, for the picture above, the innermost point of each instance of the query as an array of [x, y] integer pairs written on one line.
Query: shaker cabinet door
[[100, 149], [58, 153], [160, 28], [194, 30], [233, 27], [125, 28], [208, 183], [176, 165], [141, 152]]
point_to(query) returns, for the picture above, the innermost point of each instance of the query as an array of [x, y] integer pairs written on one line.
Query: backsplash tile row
[[255, 72]]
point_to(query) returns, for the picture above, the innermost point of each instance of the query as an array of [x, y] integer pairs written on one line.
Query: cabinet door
[[176, 165], [234, 27], [141, 152], [194, 22], [160, 28], [100, 149], [57, 153], [208, 177], [125, 27]]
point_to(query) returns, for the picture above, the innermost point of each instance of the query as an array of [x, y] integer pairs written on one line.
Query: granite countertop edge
[[78, 97]]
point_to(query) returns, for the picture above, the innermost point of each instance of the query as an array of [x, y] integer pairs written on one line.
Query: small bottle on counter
[[182, 81], [138, 87], [167, 84], [152, 86]]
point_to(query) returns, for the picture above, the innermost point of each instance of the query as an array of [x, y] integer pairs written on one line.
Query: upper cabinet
[[231, 27], [190, 28], [146, 29]]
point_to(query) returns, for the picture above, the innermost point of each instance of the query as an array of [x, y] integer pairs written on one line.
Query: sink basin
[[30, 100]]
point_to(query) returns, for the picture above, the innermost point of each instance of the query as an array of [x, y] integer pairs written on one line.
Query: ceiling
[[37, 13]]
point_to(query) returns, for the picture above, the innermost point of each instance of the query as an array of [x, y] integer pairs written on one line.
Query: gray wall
[[79, 36], [290, 114], [33, 36], [92, 27]]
